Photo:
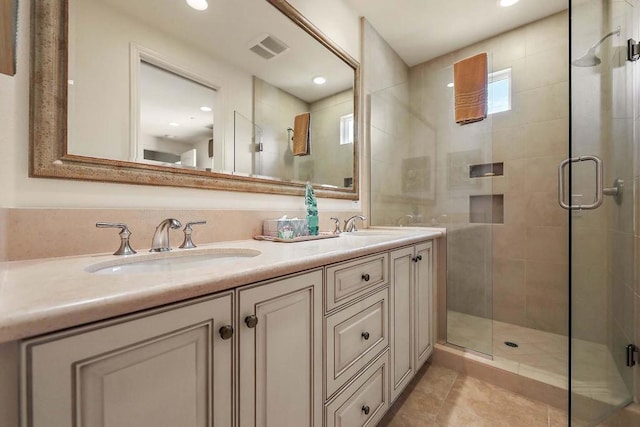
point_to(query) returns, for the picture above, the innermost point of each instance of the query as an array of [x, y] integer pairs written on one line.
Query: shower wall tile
[[544, 103], [548, 244], [515, 208], [590, 295], [541, 173], [508, 241], [547, 34], [542, 209], [546, 138], [509, 143], [509, 291], [547, 296], [546, 68]]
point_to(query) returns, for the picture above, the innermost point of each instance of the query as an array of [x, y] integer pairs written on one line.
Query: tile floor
[[542, 356], [441, 397]]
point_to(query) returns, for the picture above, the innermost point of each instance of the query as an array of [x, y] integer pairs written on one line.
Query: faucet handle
[[125, 248], [337, 229], [188, 243]]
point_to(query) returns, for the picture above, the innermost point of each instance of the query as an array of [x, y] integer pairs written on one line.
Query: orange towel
[[470, 87], [301, 135]]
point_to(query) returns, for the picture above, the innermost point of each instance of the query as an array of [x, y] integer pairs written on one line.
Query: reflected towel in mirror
[[470, 87], [301, 127]]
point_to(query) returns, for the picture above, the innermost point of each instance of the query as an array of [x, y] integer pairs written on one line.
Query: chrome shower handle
[[599, 196]]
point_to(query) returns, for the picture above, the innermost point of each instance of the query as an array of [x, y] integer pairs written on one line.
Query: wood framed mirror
[[8, 10], [102, 107]]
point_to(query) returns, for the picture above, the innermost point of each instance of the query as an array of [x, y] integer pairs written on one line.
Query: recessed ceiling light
[[507, 3], [205, 108], [450, 84], [319, 80], [198, 4], [174, 124]]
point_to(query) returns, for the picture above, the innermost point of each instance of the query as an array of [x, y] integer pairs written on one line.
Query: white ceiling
[[226, 29], [420, 30]]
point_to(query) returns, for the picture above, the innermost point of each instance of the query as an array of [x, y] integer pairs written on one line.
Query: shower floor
[[543, 356]]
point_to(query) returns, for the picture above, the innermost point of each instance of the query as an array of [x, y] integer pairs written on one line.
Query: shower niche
[[486, 209]]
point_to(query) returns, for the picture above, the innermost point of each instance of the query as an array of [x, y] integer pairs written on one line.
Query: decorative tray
[[297, 239]]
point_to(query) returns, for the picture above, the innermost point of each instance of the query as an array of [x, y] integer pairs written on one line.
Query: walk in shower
[[542, 291]]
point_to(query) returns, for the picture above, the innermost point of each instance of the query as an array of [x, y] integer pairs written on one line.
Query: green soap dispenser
[[312, 210]]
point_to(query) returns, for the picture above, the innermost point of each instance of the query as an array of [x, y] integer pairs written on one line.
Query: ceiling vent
[[268, 47]]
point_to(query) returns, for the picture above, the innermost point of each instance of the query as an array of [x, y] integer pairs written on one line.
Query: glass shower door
[[600, 175]]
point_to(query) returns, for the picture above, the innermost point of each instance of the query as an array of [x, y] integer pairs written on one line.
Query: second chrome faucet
[[160, 241]]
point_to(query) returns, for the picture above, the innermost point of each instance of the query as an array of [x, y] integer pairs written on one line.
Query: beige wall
[[18, 190]]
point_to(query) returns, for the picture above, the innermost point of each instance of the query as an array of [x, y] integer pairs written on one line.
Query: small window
[[346, 129], [499, 91]]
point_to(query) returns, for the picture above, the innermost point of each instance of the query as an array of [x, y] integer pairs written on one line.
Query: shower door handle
[[598, 198]]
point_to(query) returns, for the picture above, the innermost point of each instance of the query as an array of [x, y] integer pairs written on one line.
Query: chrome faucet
[[350, 224], [160, 242]]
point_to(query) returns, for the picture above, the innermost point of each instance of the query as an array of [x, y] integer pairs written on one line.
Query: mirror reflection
[[221, 89], [176, 120]]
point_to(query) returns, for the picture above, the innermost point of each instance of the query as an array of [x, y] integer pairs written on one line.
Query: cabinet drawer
[[355, 336], [352, 279], [365, 401]]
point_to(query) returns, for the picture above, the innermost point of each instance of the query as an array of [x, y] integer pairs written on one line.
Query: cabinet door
[[168, 367], [423, 297], [280, 350], [402, 312]]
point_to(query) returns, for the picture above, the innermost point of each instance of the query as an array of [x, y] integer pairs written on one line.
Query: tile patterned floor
[[441, 397], [542, 356]]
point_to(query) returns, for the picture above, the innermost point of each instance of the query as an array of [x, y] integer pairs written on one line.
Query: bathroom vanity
[[305, 334]]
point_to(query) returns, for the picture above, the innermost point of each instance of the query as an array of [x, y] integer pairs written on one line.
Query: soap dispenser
[[312, 210]]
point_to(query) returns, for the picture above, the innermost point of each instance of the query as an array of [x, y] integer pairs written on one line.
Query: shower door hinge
[[631, 355], [633, 50]]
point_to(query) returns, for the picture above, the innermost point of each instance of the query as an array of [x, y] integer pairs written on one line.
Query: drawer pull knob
[[418, 258], [226, 332], [365, 335], [366, 277], [366, 409], [251, 321]]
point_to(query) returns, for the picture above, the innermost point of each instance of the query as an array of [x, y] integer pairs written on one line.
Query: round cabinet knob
[[366, 409], [226, 332], [419, 258], [251, 321], [366, 277], [365, 335]]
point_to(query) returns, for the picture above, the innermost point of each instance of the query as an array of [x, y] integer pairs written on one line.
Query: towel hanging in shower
[[470, 88], [301, 131]]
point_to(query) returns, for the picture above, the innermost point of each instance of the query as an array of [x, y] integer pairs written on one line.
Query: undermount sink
[[172, 261], [370, 233]]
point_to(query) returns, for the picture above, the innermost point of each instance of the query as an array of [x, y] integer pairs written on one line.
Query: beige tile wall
[[44, 233], [530, 250]]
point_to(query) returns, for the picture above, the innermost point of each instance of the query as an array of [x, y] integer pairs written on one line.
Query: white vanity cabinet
[[280, 352], [332, 346], [167, 367], [411, 286]]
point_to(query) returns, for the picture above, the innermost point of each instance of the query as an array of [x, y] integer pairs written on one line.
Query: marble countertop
[[45, 295]]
